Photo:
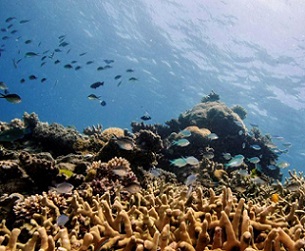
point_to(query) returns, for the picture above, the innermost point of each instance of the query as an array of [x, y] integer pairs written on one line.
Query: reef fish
[[3, 86], [181, 142], [93, 97], [96, 84], [125, 143], [12, 98], [62, 220], [212, 136], [283, 164], [190, 179], [254, 160], [256, 147], [236, 161], [64, 187], [180, 162], [121, 172], [146, 117], [192, 161], [185, 133], [132, 188]]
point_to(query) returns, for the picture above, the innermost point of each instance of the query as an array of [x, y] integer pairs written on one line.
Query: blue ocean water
[[251, 53]]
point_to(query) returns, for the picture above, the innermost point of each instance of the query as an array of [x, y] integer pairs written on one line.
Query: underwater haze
[[156, 57]]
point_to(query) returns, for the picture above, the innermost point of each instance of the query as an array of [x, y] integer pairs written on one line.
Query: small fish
[[68, 66], [78, 68], [43, 80], [283, 164], [181, 142], [119, 83], [125, 143], [117, 77], [93, 97], [242, 172], [185, 133], [45, 52], [62, 188], [66, 172], [61, 37], [73, 62], [256, 147], [62, 220], [100, 68], [5, 38], [63, 44], [275, 197], [107, 67], [42, 64], [12, 98], [3, 86], [43, 58], [82, 54], [103, 103], [24, 21], [57, 50], [243, 145], [28, 41], [236, 161], [254, 125], [109, 61], [227, 156], [212, 136], [32, 77], [190, 179], [287, 144], [121, 172], [9, 26], [89, 62], [145, 117], [254, 160], [155, 172], [133, 188], [22, 80], [192, 161], [132, 79], [3, 30], [180, 162], [129, 70], [9, 19], [57, 61], [14, 31], [208, 155], [258, 181], [293, 186], [96, 84], [31, 54]]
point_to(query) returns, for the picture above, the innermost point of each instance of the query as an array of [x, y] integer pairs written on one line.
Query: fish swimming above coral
[[64, 187], [12, 98], [180, 142], [236, 161]]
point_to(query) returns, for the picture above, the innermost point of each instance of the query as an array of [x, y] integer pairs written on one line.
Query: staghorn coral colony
[[199, 182]]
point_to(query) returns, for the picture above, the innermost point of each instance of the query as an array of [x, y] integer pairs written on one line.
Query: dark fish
[[78, 67], [63, 44], [97, 84], [39, 44], [103, 103], [13, 31], [44, 57], [109, 61], [68, 66], [31, 54], [93, 97], [14, 63], [125, 143], [90, 62], [57, 50], [61, 36], [3, 29], [117, 77], [119, 83], [146, 117], [43, 80], [24, 21], [12, 98], [100, 68], [9, 19], [56, 61], [129, 70], [42, 64], [82, 54], [10, 26], [45, 52], [32, 77], [28, 41], [68, 51], [133, 79], [22, 80], [73, 62], [3, 86], [107, 67], [5, 38], [51, 55]]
